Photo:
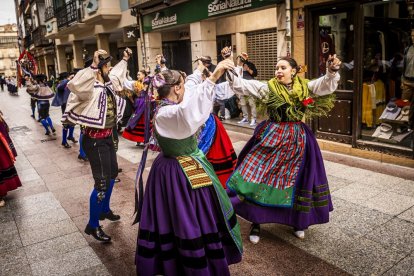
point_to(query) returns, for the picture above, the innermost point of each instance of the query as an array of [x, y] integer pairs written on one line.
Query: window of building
[[388, 73], [261, 48]]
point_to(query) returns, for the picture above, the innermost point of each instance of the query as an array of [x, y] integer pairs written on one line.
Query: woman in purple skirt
[[280, 176], [187, 225]]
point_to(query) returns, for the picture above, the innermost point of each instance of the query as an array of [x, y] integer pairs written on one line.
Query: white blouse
[[324, 85], [184, 119]]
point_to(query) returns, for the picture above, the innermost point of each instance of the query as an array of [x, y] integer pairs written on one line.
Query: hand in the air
[[333, 64], [96, 55]]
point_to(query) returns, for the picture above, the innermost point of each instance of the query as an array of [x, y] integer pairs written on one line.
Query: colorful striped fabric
[[195, 172], [268, 173], [276, 159], [221, 154]]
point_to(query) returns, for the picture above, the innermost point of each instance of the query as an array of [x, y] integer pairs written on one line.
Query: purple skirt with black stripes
[[182, 230]]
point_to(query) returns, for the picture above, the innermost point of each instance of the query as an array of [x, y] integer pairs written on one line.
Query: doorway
[[333, 32], [178, 55]]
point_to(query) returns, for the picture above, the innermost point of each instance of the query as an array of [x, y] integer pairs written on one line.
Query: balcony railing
[[68, 14], [49, 13], [39, 37]]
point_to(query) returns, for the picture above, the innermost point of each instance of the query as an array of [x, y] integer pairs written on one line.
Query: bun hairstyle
[[294, 65], [165, 80]]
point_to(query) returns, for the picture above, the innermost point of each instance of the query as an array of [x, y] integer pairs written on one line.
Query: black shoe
[[73, 140], [97, 233], [83, 158], [47, 132], [33, 116], [66, 145], [54, 131], [119, 170], [110, 216]]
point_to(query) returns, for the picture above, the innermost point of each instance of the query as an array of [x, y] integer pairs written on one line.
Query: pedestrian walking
[[280, 177], [2, 83], [187, 224], [9, 180], [90, 88]]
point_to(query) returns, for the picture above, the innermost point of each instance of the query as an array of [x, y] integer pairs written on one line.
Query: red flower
[[308, 101]]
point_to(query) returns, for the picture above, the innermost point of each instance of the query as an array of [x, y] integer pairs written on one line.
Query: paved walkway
[[41, 228]]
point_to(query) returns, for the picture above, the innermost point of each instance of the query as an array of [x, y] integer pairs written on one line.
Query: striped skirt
[[281, 177]]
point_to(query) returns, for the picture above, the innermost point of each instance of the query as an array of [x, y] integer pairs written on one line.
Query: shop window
[[261, 48], [388, 74]]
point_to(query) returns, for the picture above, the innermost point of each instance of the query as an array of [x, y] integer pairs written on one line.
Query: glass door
[[332, 33]]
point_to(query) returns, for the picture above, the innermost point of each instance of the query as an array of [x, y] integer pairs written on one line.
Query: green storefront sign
[[196, 10]]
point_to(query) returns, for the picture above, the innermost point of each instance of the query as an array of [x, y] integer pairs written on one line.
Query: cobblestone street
[[371, 231]]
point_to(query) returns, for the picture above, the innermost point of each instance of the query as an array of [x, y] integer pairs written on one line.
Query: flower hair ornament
[[158, 81], [302, 69]]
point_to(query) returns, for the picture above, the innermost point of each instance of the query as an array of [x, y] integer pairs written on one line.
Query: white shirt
[[184, 119], [324, 85]]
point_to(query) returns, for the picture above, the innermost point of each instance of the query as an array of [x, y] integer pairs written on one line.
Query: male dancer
[[94, 104]]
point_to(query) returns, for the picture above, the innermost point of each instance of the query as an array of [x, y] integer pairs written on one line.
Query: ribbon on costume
[[139, 183]]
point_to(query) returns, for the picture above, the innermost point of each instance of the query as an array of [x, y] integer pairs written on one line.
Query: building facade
[[372, 39], [32, 31], [9, 50], [78, 28], [183, 30]]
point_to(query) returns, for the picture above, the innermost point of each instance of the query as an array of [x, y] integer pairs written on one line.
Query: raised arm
[[118, 74], [324, 85], [245, 87], [83, 83], [328, 83], [184, 119]]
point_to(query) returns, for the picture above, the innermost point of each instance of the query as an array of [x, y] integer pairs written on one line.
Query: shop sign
[[218, 7], [130, 34], [163, 21], [196, 10]]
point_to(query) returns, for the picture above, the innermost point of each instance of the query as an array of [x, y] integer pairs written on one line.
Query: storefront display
[[374, 101], [388, 66]]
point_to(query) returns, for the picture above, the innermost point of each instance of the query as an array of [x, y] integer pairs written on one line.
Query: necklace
[[289, 86]]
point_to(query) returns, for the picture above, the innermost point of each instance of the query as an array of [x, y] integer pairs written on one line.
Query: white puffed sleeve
[[184, 119], [118, 75], [83, 83], [324, 85]]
